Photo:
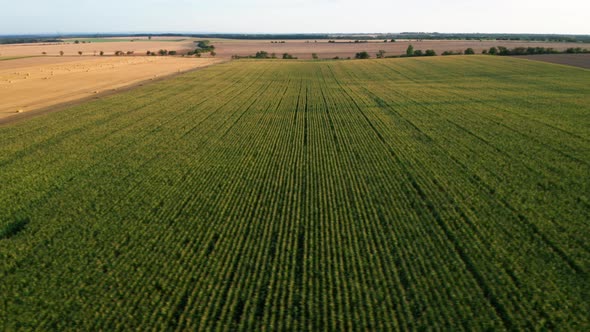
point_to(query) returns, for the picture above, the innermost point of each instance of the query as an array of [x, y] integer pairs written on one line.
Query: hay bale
[[20, 111]]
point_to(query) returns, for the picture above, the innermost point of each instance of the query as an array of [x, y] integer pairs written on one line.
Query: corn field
[[438, 193]]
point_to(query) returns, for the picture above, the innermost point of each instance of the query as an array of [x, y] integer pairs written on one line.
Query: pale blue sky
[[307, 16]]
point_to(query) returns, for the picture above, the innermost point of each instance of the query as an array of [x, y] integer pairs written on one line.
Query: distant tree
[[44, 53], [261, 55], [484, 51], [410, 50], [61, 53], [418, 53], [149, 37], [163, 52], [493, 51], [77, 42], [288, 56], [381, 54], [430, 53], [148, 53], [393, 40], [362, 55], [101, 53], [130, 52], [385, 41], [213, 53], [451, 53], [314, 56], [80, 52], [503, 50], [198, 55], [469, 51]]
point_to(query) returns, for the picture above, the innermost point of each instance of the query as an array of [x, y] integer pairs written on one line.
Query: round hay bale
[[20, 111]]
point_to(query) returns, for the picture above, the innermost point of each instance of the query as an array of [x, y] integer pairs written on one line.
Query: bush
[[172, 53], [381, 54], [430, 53], [101, 53], [469, 51], [362, 55], [418, 53], [314, 56], [503, 50], [288, 56], [261, 55]]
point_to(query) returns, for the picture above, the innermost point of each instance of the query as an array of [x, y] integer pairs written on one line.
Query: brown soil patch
[[576, 60], [36, 83], [304, 48]]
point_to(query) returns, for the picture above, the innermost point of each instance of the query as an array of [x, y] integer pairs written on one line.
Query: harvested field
[[576, 60], [34, 83], [304, 48], [109, 48]]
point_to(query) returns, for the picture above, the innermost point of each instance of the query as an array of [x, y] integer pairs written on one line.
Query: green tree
[[469, 51], [381, 54], [362, 55], [493, 51], [430, 53], [261, 55], [314, 56], [410, 50]]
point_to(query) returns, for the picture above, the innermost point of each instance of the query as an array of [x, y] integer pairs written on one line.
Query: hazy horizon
[[302, 16]]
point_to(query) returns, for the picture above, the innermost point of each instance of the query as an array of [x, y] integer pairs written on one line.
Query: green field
[[427, 193]]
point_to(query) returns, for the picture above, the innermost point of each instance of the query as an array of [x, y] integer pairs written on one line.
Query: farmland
[[226, 48], [577, 60], [398, 194], [348, 48], [31, 84], [109, 47]]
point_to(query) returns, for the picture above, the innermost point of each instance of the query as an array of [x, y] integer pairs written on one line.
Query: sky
[[295, 16]]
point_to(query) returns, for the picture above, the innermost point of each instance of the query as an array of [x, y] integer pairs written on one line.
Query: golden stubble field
[[34, 83], [139, 47]]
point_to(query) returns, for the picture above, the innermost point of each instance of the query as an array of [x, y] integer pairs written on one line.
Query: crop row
[[382, 195]]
